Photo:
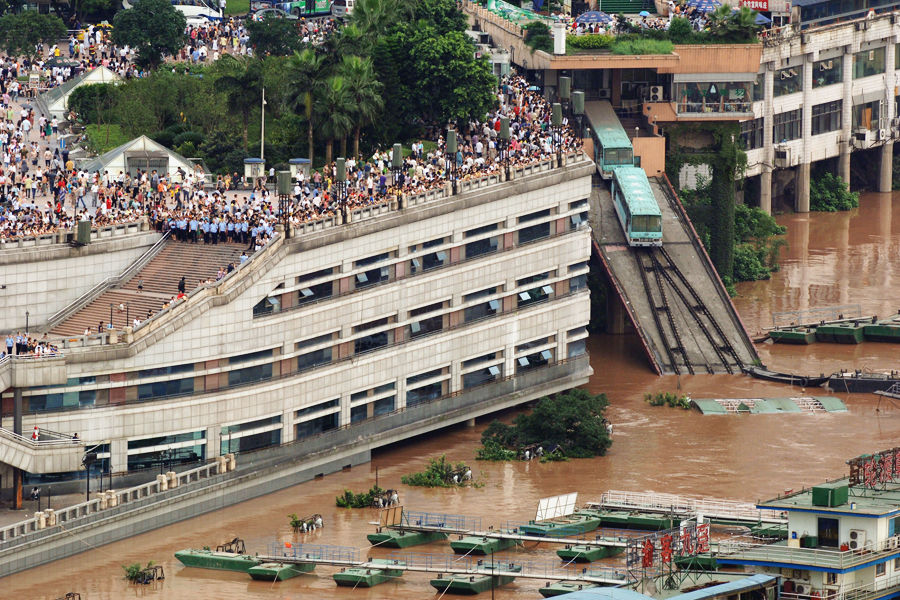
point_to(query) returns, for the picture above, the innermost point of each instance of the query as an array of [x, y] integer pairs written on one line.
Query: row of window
[[829, 71], [484, 240], [826, 117]]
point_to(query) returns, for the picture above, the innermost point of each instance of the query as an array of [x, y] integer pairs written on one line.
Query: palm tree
[[241, 80], [375, 17], [334, 107], [365, 93], [305, 74]]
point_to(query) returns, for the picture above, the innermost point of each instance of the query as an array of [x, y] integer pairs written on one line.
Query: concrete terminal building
[[404, 320], [822, 87]]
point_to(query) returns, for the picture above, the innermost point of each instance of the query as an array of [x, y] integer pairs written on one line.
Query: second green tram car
[[636, 207], [612, 148]]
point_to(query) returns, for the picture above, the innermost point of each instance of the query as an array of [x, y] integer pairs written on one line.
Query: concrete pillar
[[801, 187], [846, 115], [17, 411], [615, 315], [214, 442], [118, 455], [17, 489], [470, 423], [765, 190], [886, 173]]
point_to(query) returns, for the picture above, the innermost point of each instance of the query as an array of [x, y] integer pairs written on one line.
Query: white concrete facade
[[554, 325]]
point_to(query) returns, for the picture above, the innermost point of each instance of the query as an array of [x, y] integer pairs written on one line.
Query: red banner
[[759, 5]]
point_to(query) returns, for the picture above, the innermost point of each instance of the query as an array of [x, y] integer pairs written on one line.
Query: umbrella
[[643, 13], [594, 16], [762, 19], [534, 88]]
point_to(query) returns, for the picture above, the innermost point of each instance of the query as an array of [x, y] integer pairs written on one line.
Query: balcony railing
[[814, 557], [858, 590]]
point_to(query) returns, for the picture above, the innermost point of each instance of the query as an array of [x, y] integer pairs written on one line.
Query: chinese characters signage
[[760, 5], [659, 549], [875, 469]]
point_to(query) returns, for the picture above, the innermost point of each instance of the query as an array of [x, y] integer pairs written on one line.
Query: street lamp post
[[396, 164], [110, 315], [341, 185], [565, 92], [503, 144], [556, 128], [27, 314], [451, 157], [283, 179]]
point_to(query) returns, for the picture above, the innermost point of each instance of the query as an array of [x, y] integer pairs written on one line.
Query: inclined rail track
[[666, 273]]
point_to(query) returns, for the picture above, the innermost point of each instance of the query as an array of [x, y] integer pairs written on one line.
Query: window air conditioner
[[861, 134], [782, 158]]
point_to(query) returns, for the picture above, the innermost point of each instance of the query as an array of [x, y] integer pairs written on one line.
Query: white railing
[[782, 553], [721, 509], [108, 501], [858, 590]]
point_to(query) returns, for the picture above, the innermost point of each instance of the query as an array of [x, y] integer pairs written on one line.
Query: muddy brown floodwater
[[844, 258]]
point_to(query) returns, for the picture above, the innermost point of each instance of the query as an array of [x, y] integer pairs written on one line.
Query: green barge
[[399, 538], [473, 544], [887, 330], [574, 524], [794, 335], [370, 576], [272, 571], [482, 581], [698, 562], [624, 519], [581, 553], [221, 561], [558, 588], [851, 332]]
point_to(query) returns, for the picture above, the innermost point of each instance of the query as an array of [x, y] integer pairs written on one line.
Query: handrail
[[779, 552], [35, 444], [93, 293]]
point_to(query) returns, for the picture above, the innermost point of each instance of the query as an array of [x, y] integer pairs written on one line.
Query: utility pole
[[262, 128]]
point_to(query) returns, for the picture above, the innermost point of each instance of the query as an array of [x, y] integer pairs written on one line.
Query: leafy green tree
[[680, 30], [450, 83], [365, 93], [572, 420], [444, 15], [273, 36], [333, 104], [240, 79], [375, 18], [830, 193], [305, 71], [26, 32], [153, 27], [94, 104], [537, 36]]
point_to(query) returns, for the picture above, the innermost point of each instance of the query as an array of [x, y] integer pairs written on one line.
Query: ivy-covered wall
[[727, 160]]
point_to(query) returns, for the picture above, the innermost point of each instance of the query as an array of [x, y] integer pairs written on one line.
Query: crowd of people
[[25, 345]]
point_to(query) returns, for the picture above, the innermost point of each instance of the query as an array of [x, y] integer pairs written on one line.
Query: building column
[[17, 428], [765, 190], [118, 455], [615, 315], [801, 188], [801, 174], [886, 174], [765, 181], [213, 442], [846, 114]]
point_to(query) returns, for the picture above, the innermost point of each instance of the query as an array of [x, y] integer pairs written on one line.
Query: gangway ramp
[[672, 295], [347, 556], [716, 510]]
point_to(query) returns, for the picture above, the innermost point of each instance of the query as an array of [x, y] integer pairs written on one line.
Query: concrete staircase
[[160, 279], [53, 453]]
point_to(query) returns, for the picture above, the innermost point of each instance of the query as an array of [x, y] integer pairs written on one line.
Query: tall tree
[[365, 93], [273, 36], [25, 33], [153, 27], [241, 81], [334, 105], [375, 18], [305, 71]]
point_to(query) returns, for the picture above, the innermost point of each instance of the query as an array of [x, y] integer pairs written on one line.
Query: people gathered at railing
[[25, 345]]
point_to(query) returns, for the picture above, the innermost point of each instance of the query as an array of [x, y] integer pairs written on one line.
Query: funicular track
[[667, 275]]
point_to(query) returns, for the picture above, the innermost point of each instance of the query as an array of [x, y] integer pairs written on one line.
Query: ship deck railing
[[866, 590], [439, 521], [781, 553], [685, 505], [346, 556]]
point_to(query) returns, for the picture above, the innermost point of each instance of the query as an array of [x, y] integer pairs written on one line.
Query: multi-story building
[[403, 320], [844, 539], [822, 87]]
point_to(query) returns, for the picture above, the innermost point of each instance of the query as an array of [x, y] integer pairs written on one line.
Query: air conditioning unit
[[782, 157], [895, 123], [861, 25], [804, 38], [656, 93], [603, 94], [882, 135], [857, 539], [861, 134], [801, 589]]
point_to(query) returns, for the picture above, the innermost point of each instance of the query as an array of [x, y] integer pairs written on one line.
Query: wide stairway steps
[[159, 277]]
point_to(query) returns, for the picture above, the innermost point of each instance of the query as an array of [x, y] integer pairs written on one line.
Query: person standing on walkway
[[182, 285]]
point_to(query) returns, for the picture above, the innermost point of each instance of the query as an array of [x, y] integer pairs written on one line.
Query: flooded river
[[832, 259]]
